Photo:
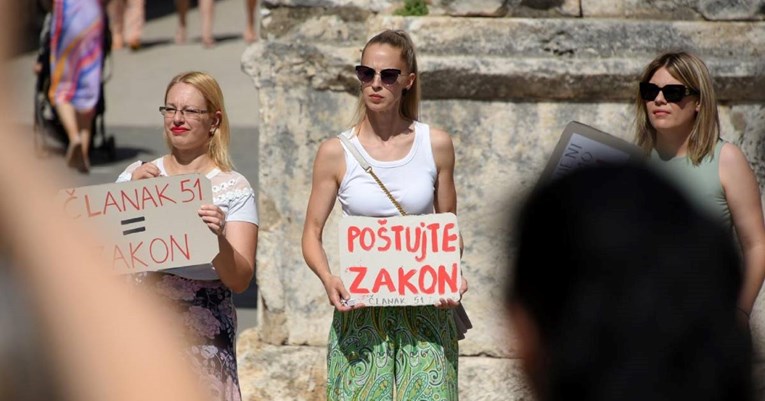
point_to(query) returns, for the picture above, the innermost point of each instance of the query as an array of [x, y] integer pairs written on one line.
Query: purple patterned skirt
[[207, 313]]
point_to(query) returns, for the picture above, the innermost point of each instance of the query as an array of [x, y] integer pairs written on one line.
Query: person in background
[[622, 290], [678, 126], [127, 18], [207, 10], [76, 47], [196, 129], [250, 32], [374, 353]]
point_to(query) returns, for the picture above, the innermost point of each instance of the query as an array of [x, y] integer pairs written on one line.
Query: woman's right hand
[[337, 294], [145, 170]]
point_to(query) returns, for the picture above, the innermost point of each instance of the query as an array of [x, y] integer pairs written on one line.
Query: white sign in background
[[146, 225], [581, 151], [401, 260]]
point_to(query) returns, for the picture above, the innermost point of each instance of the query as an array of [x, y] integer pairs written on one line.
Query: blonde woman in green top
[[678, 126]]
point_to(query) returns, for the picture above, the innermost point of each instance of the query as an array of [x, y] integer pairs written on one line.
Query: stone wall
[[503, 78]]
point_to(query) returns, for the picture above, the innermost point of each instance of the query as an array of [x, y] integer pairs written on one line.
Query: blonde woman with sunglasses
[[376, 353], [678, 126]]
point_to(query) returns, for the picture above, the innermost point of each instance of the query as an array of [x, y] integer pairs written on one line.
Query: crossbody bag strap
[[365, 165]]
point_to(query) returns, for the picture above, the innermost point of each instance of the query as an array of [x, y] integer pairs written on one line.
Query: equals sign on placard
[[132, 221]]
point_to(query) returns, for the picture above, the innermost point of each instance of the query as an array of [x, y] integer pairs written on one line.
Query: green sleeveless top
[[701, 184]]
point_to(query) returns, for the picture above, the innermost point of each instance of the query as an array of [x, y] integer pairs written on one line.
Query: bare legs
[[250, 34], [127, 19], [77, 125], [207, 9], [182, 7]]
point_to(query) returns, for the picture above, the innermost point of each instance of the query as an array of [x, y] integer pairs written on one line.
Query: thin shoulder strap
[[365, 165]]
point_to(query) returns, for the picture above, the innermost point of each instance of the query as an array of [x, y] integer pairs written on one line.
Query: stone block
[[571, 58], [469, 8], [370, 5], [269, 372], [721, 10], [603, 8]]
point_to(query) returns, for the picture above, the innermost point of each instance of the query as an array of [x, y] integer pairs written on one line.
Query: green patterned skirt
[[385, 353]]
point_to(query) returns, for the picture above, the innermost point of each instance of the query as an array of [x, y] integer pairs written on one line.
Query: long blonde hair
[[409, 108], [208, 86], [693, 73]]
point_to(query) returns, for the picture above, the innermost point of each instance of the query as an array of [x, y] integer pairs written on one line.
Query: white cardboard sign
[[146, 225], [402, 260], [581, 145]]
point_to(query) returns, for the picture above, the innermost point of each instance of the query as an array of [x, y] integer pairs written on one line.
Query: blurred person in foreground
[[68, 329], [622, 290], [678, 126], [196, 129]]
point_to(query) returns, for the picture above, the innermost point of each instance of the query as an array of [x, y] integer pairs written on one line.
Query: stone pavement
[[135, 89]]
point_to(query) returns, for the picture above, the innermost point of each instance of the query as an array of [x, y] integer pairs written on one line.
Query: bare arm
[[235, 262], [328, 169], [445, 198], [743, 196]]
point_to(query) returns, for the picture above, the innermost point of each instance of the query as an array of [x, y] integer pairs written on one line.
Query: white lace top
[[231, 192]]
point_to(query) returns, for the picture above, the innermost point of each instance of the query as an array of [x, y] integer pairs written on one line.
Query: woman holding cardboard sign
[[373, 351], [197, 132], [679, 128]]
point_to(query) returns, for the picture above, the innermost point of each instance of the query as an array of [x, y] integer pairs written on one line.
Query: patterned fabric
[[77, 29], [207, 312], [374, 350]]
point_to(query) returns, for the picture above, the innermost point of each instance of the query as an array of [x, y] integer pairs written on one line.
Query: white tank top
[[410, 180]]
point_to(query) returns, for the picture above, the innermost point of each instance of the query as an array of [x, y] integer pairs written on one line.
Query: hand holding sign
[[402, 260]]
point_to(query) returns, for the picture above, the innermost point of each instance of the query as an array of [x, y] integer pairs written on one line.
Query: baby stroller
[[49, 133]]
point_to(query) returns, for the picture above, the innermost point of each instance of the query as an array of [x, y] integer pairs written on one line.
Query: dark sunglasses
[[388, 76], [672, 93]]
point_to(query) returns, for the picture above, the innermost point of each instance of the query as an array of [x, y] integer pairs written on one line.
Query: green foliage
[[416, 8]]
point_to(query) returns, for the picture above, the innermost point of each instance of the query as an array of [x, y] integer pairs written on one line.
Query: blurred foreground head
[[69, 330], [623, 291]]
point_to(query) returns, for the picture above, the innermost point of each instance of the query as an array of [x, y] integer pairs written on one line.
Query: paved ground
[[135, 88]]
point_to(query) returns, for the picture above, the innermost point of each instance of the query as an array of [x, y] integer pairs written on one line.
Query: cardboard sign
[[581, 145], [146, 225], [402, 260]]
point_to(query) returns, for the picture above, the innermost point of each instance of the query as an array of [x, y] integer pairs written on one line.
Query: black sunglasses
[[672, 93], [388, 76]]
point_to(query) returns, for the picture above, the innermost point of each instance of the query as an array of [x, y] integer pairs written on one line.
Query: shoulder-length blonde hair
[[409, 108], [208, 86], [693, 73]]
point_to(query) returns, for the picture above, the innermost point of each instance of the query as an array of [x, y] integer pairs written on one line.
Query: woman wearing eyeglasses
[[197, 133], [374, 350], [678, 126]]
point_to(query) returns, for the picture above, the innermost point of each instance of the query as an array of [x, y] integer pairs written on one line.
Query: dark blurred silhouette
[[622, 290]]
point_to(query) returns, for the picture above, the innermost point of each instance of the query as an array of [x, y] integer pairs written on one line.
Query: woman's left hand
[[214, 217], [448, 303]]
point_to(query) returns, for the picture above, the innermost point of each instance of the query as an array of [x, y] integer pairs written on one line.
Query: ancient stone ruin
[[503, 77]]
